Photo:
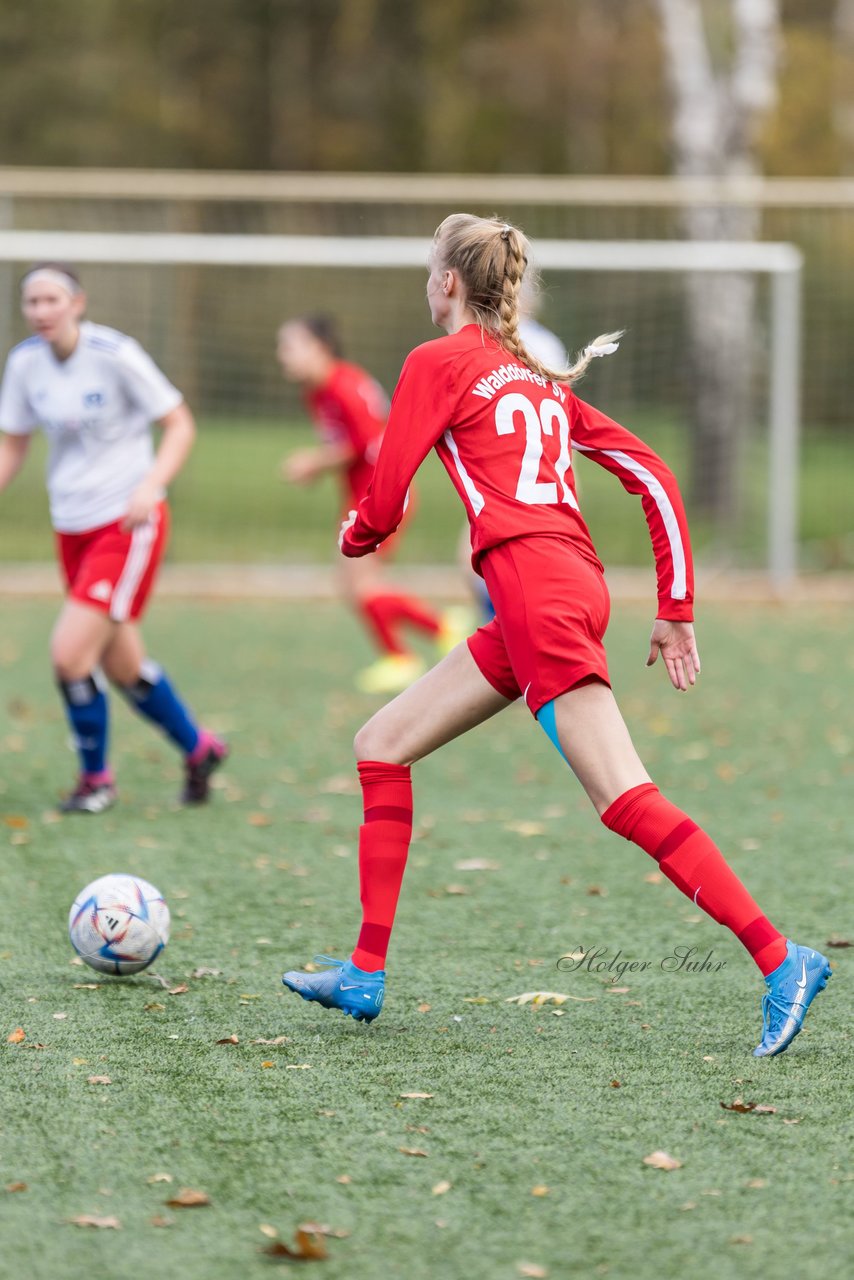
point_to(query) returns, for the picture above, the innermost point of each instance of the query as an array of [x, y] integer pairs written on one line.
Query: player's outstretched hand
[[345, 525], [301, 467], [678, 648]]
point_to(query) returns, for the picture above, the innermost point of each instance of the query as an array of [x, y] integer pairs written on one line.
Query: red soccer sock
[[384, 614], [693, 862], [383, 848]]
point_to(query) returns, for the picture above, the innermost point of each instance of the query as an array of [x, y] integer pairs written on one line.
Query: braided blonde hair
[[491, 258]]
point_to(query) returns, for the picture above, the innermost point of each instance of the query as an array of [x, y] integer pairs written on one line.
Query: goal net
[[207, 307]]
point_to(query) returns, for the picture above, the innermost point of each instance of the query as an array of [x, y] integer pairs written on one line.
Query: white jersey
[[96, 409], [545, 345]]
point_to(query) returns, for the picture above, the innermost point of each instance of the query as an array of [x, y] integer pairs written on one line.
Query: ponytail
[[491, 258]]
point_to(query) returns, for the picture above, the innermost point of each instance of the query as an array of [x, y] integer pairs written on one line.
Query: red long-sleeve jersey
[[505, 435]]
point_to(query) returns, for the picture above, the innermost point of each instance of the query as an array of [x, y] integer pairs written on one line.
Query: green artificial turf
[[522, 1098]]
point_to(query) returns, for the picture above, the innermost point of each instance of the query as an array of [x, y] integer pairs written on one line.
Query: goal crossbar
[[782, 263]]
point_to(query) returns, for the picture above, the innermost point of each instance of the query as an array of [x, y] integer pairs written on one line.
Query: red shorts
[[113, 570], [551, 613]]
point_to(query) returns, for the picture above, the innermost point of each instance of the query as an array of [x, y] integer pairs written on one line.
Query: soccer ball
[[118, 924]]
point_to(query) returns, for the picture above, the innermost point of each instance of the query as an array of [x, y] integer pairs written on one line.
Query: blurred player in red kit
[[504, 425], [349, 410]]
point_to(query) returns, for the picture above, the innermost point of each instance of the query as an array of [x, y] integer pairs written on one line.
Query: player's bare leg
[[451, 698], [446, 702]]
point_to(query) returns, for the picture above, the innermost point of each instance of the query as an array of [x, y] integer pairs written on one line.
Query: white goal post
[[781, 263]]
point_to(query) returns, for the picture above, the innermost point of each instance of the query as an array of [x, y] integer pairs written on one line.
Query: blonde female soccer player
[[95, 392], [504, 426], [349, 409]]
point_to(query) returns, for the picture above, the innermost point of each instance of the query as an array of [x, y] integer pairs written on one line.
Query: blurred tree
[[723, 78], [463, 85], [844, 83]]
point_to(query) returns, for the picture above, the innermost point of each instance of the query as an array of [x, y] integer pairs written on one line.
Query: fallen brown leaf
[[160, 1220], [411, 1151], [323, 1229], [544, 997], [187, 1198], [477, 864], [16, 820], [180, 990], [415, 1095], [99, 1080], [267, 1063], [596, 891], [307, 1248], [154, 1006], [267, 1230], [741, 1240], [231, 1040], [616, 991], [260, 820], [87, 986], [15, 1186], [424, 1007], [275, 1040], [441, 1187], [661, 1160], [531, 1270], [17, 1036], [159, 1177], [203, 972], [743, 1107], [540, 1190], [839, 942], [344, 1179], [91, 1220], [616, 1084]]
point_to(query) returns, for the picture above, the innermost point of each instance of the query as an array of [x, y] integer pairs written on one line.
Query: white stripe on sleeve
[[474, 495], [656, 490]]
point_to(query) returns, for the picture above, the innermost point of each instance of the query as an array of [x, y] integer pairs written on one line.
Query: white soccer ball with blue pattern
[[119, 924]]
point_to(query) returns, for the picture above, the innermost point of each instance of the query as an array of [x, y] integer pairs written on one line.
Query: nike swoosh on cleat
[[354, 986], [803, 981]]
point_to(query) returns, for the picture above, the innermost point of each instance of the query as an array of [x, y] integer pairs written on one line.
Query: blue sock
[[154, 697], [547, 720], [86, 707]]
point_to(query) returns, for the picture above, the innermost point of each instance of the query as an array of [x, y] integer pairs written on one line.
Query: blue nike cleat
[[342, 986], [792, 987]]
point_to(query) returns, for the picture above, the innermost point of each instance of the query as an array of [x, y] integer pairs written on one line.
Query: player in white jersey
[[95, 393]]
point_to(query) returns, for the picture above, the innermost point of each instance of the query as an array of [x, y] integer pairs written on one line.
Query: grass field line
[[317, 582]]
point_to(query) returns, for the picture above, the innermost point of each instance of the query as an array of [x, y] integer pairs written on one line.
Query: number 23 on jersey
[[515, 410]]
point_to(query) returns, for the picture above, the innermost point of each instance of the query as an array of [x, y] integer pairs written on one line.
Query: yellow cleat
[[390, 675], [457, 625]]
